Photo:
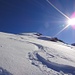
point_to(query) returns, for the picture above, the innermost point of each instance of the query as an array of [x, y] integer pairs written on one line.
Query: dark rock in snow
[[73, 44]]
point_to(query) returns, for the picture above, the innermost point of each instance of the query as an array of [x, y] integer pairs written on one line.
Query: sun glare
[[71, 22]]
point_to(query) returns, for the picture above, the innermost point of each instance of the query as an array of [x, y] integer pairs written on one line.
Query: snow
[[34, 54]]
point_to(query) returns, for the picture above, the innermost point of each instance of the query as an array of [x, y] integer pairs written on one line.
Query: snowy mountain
[[35, 54]]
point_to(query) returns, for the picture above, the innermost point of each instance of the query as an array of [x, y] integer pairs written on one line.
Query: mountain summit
[[35, 54]]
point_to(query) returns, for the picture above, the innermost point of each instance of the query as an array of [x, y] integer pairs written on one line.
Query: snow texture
[[35, 54]]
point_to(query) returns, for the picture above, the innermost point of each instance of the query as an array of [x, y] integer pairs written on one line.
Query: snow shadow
[[55, 66], [44, 38], [53, 39], [4, 72]]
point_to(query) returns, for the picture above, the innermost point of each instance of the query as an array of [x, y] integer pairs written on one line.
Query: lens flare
[[60, 13], [57, 9], [71, 21]]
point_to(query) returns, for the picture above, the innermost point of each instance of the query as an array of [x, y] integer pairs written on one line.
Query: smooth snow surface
[[34, 54]]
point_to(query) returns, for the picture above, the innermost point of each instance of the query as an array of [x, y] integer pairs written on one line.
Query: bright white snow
[[34, 54]]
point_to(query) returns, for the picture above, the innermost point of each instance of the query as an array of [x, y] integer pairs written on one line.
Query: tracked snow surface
[[35, 54]]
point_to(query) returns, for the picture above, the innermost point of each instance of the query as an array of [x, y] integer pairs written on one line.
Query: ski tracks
[[40, 58]]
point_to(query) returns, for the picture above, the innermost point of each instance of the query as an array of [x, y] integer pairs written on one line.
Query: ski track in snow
[[46, 66], [42, 58]]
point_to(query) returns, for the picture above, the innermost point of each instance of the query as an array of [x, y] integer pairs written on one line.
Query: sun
[[71, 22]]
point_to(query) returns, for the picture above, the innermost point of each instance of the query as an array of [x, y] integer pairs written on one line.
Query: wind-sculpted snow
[[35, 54], [55, 66], [40, 59]]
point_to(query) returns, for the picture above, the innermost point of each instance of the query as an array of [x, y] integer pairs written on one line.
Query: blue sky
[[18, 16]]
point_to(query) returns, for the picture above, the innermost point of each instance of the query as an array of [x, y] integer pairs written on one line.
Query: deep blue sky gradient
[[19, 16]]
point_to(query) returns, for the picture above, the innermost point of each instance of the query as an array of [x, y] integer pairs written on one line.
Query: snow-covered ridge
[[31, 34], [35, 54], [40, 36]]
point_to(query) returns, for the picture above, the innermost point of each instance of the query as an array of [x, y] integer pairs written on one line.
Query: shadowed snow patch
[[57, 67], [4, 72]]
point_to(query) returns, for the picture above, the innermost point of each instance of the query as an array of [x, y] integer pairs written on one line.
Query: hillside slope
[[26, 54]]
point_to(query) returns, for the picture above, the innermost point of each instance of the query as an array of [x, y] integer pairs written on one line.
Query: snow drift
[[35, 54]]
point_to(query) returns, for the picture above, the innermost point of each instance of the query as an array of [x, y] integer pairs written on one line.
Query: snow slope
[[26, 54]]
